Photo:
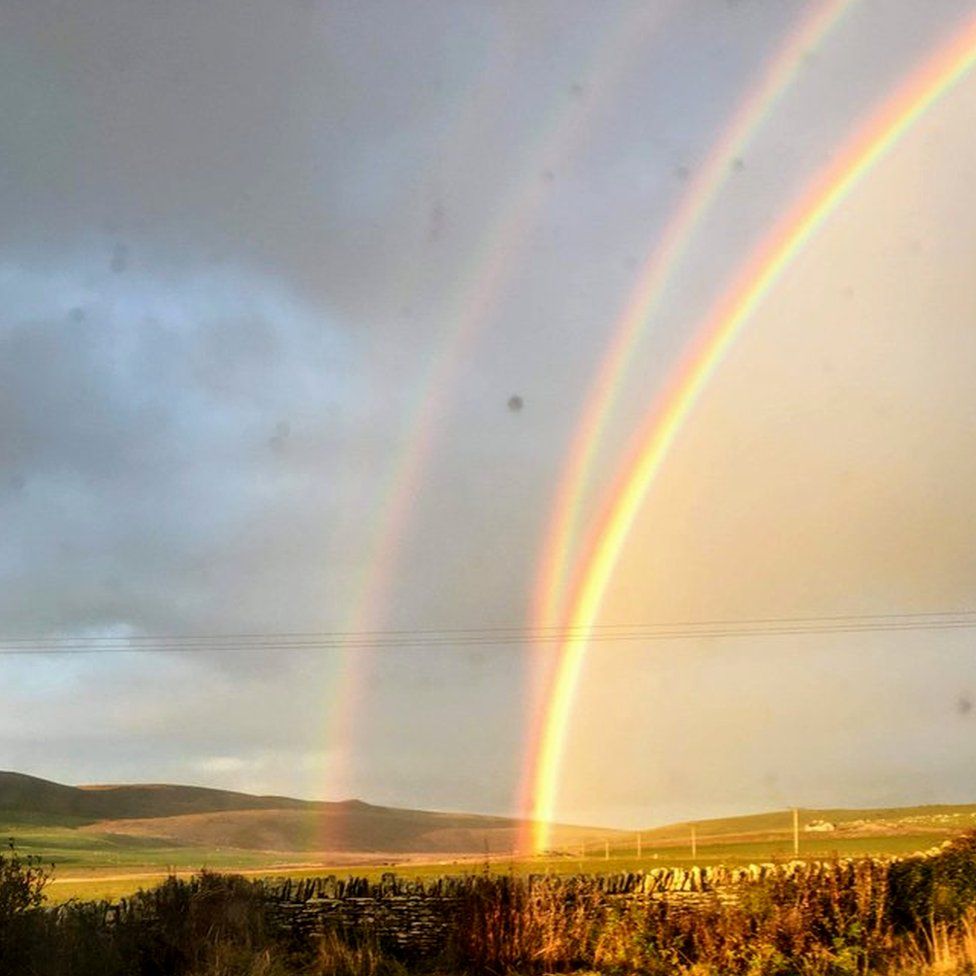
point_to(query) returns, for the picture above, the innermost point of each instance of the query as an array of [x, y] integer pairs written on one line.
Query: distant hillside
[[932, 818], [168, 816], [199, 817], [361, 829], [40, 798]]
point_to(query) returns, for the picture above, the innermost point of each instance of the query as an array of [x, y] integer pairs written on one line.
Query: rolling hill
[[836, 822], [126, 822], [174, 816], [359, 828], [55, 802]]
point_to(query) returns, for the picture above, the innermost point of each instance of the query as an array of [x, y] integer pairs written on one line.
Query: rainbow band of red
[[664, 258], [938, 75], [652, 283]]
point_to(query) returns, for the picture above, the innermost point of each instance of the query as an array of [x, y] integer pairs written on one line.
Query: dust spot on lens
[[435, 223], [279, 439], [120, 258]]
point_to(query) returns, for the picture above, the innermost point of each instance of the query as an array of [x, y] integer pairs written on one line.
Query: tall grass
[[830, 922], [507, 923], [212, 924], [336, 955], [910, 918]]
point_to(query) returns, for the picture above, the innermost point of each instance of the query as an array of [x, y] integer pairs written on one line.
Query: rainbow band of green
[[667, 254], [932, 81]]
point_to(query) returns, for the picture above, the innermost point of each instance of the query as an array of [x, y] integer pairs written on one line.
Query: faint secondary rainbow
[[652, 283], [938, 75], [476, 299]]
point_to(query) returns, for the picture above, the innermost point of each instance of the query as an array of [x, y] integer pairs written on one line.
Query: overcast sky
[[254, 253]]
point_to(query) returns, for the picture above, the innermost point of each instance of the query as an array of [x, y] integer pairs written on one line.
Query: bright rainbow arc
[[927, 85], [652, 284], [644, 301]]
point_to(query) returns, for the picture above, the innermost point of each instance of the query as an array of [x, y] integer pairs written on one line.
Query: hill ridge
[[200, 816], [208, 817]]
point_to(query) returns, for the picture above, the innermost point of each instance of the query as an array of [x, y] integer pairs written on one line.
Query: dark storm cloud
[[301, 137], [137, 438]]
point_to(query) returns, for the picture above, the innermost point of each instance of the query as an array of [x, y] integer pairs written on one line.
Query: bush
[[210, 925], [22, 883], [182, 926], [926, 891], [840, 919]]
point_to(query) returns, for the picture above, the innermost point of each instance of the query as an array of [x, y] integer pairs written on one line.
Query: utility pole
[[638, 847], [606, 850], [694, 843], [796, 832]]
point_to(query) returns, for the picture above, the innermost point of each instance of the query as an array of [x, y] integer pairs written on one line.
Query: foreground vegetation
[[915, 916], [94, 873], [110, 841]]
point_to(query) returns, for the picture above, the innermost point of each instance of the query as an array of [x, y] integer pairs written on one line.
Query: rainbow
[[938, 75], [652, 284], [474, 302]]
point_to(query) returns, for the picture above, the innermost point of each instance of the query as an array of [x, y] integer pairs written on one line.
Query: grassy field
[[104, 872], [106, 842]]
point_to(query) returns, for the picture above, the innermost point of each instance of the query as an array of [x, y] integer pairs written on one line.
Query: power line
[[490, 636], [518, 629]]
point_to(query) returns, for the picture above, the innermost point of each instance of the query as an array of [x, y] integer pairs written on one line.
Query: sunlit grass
[[97, 866]]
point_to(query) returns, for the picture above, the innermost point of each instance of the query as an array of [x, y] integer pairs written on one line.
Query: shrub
[[187, 926], [925, 891], [839, 919], [22, 883]]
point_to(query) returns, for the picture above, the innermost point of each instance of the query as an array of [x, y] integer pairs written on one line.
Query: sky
[[300, 304]]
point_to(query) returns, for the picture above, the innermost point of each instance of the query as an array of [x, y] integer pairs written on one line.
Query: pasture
[[95, 866]]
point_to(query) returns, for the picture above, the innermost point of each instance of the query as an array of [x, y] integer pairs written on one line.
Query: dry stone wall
[[417, 916]]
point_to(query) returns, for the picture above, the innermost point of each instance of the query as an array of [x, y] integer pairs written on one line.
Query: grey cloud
[[138, 438]]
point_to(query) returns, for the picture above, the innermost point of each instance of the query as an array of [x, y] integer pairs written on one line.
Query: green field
[[108, 841], [93, 868]]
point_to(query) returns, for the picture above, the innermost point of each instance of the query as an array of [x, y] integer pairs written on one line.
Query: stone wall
[[417, 916]]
